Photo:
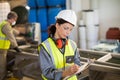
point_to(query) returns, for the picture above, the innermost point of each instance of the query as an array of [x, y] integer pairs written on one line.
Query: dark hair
[[11, 15], [52, 28]]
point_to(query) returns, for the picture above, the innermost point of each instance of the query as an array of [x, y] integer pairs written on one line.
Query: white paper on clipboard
[[82, 68]]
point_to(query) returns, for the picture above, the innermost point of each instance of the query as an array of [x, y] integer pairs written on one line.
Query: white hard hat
[[67, 15]]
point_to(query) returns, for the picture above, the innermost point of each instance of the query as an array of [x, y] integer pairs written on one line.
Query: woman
[[58, 55]]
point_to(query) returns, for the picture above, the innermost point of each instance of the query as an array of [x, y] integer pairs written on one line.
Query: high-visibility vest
[[58, 59], [4, 42]]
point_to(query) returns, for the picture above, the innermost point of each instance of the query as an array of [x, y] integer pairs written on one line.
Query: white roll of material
[[91, 34], [37, 33], [82, 44], [96, 33], [82, 35], [96, 17], [4, 10], [92, 37], [88, 17], [91, 20]]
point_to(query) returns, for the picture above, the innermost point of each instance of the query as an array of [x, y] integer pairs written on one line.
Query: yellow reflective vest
[[4, 42], [58, 58]]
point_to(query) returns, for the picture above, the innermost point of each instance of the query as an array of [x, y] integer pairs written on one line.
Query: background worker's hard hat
[[68, 15]]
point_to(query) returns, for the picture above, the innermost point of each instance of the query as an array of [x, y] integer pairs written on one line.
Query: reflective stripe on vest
[[4, 42], [59, 60]]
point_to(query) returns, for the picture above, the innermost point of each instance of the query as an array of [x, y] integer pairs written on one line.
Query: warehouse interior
[[97, 35]]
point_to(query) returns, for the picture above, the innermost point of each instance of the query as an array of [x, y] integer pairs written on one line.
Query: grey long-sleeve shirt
[[9, 34], [48, 68]]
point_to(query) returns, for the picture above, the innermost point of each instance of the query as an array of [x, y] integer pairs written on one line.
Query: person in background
[[6, 39], [58, 55]]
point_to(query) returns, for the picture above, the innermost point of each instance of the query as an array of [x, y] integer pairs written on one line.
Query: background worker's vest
[[4, 42], [58, 59]]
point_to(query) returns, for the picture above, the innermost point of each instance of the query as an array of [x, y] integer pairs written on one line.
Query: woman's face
[[63, 30]]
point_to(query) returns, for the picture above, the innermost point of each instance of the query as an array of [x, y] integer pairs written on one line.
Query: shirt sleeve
[[9, 34], [77, 57], [47, 67]]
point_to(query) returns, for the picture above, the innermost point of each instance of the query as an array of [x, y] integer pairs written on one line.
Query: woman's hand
[[70, 71]]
